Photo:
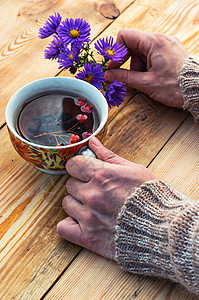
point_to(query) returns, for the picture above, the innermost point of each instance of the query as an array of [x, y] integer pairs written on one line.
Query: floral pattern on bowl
[[49, 159]]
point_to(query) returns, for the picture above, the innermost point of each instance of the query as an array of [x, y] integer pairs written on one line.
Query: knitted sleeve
[[189, 84], [157, 234]]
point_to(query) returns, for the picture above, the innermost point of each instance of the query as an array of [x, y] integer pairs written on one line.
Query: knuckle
[[125, 77], [102, 176], [154, 78], [120, 35], [99, 175], [89, 239], [75, 162], [90, 198], [143, 168], [95, 166], [145, 173], [161, 40], [72, 164], [148, 80], [174, 40], [70, 187], [65, 201], [94, 199], [68, 182], [159, 35], [89, 218]]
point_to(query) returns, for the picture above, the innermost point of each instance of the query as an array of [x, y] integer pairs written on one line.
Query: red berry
[[81, 118], [74, 138], [86, 134], [88, 109], [81, 102]]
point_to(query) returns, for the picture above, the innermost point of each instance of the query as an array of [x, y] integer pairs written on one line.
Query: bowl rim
[[80, 82]]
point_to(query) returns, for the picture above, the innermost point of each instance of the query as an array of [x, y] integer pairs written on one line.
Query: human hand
[[97, 190], [156, 62]]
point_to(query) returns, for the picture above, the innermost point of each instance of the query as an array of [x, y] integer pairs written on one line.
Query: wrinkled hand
[[97, 190], [156, 62]]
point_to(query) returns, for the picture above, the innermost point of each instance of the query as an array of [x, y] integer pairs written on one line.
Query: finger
[[83, 167], [137, 42], [73, 208], [105, 154], [113, 64], [134, 79], [76, 189], [138, 63], [70, 230]]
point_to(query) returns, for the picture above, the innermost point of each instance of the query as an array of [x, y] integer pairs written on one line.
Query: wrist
[[142, 231], [189, 85]]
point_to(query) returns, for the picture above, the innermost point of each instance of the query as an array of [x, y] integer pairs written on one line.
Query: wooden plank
[[31, 254], [21, 51], [173, 17], [26, 212], [178, 164], [141, 128], [93, 277], [154, 16], [81, 271], [34, 216]]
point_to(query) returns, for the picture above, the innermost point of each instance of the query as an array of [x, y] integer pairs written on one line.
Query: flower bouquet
[[70, 47]]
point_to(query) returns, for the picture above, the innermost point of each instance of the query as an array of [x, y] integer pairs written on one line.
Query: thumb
[[105, 154], [134, 79]]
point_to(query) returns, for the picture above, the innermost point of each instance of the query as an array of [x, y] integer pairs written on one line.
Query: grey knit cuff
[[189, 85], [184, 247], [146, 232]]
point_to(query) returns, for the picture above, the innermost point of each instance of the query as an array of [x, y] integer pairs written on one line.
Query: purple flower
[[50, 27], [74, 31], [54, 48], [110, 50], [93, 74], [67, 57], [115, 93]]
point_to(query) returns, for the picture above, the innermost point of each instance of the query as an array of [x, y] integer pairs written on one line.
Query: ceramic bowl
[[49, 159]]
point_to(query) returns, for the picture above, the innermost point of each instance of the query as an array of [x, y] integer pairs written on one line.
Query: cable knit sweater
[[157, 230]]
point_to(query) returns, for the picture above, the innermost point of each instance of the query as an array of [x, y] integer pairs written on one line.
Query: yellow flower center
[[89, 78], [74, 33], [71, 56], [110, 52], [55, 45]]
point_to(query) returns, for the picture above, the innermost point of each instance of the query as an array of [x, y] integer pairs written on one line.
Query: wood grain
[[142, 122], [31, 253], [32, 256], [122, 285], [29, 214], [21, 52], [128, 131], [31, 207], [178, 162]]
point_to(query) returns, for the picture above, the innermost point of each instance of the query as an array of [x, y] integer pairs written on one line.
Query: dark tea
[[57, 120]]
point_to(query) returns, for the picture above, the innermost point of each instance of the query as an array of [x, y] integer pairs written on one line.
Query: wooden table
[[35, 263]]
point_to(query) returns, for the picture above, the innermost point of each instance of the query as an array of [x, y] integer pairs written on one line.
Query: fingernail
[[109, 75], [96, 142]]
